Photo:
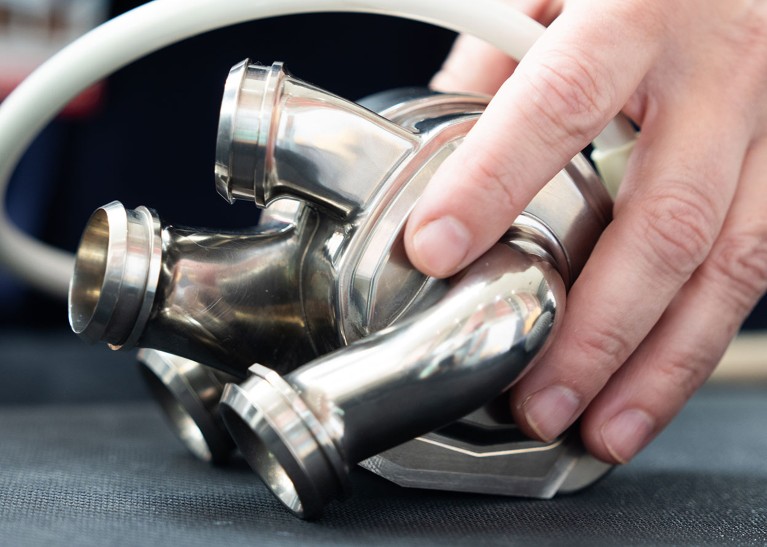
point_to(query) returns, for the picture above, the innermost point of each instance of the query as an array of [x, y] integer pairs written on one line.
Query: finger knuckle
[[739, 263], [684, 371], [491, 179], [679, 228], [572, 97], [604, 347]]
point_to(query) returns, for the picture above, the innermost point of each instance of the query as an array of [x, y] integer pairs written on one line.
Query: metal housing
[[357, 352]]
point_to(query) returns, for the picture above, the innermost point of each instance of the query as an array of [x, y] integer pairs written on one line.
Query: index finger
[[574, 80]]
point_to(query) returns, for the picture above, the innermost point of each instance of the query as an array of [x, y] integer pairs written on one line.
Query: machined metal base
[[478, 454]]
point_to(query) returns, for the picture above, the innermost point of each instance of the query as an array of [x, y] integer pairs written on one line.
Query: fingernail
[[627, 432], [442, 244], [549, 411]]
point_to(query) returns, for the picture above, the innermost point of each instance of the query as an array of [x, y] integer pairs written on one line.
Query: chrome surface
[[222, 299], [279, 136], [482, 453], [189, 393], [400, 382], [326, 269], [116, 273]]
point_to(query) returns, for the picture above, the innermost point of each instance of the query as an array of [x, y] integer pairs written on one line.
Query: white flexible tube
[[160, 23]]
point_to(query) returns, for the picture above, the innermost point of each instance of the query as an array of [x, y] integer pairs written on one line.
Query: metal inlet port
[[188, 393], [88, 282], [115, 277]]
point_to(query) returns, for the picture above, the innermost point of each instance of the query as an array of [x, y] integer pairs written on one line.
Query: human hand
[[685, 258]]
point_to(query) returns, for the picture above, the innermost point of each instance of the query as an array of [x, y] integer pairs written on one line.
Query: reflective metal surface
[[484, 453], [218, 298], [398, 383], [323, 279], [279, 136], [189, 393], [116, 272]]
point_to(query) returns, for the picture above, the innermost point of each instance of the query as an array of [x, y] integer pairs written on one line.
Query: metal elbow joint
[[302, 432], [281, 137], [323, 281]]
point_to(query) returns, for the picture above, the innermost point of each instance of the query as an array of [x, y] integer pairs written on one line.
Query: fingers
[[642, 260], [573, 81], [688, 342], [474, 66]]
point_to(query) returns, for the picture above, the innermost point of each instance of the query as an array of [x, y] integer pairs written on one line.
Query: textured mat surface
[[94, 474]]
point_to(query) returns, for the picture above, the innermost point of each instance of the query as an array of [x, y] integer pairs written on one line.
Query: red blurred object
[[31, 31], [86, 103]]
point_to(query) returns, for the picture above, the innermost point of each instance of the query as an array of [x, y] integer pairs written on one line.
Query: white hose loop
[[157, 24]]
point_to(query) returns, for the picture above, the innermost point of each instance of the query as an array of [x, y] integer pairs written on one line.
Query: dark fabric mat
[[114, 475], [55, 366]]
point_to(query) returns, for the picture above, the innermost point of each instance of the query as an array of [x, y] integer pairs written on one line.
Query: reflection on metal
[[403, 381], [506, 452], [482, 454], [358, 352], [189, 393]]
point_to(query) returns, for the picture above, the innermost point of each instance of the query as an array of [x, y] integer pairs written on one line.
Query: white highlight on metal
[[546, 448]]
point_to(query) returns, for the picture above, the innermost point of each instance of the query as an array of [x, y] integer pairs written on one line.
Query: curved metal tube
[[218, 298], [279, 136], [302, 432]]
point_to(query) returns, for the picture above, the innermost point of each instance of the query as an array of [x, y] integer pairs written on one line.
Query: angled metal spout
[[215, 297], [281, 137], [301, 432]]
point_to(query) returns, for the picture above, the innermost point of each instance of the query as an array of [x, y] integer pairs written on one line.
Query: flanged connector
[[116, 274], [188, 394], [281, 137]]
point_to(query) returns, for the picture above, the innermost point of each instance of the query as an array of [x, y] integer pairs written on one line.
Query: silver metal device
[[360, 358], [189, 394]]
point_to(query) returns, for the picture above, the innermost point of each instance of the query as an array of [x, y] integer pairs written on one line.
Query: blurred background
[[146, 136]]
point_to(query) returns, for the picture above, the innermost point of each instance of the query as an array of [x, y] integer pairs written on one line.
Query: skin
[[685, 258]]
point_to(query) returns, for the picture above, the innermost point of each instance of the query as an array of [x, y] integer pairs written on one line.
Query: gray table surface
[[111, 473]]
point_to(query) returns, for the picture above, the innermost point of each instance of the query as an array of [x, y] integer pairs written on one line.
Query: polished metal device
[[189, 394], [360, 357]]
